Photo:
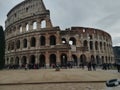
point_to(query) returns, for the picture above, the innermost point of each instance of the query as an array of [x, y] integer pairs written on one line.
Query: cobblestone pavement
[[50, 75], [70, 86]]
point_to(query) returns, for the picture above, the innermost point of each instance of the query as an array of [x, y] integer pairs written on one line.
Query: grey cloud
[[102, 14]]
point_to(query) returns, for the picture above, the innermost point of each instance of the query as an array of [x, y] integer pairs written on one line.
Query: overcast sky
[[101, 14]]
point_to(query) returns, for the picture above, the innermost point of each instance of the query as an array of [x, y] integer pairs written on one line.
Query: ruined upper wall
[[25, 9]]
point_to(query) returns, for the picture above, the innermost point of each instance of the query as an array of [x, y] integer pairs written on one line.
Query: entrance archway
[[63, 60], [42, 61], [24, 61], [92, 59], [52, 60], [74, 59], [83, 59]]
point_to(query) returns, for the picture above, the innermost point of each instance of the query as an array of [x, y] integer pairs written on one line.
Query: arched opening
[[25, 43], [74, 59], [27, 27], [91, 45], [21, 29], [101, 45], [52, 40], [96, 45], [85, 44], [18, 44], [24, 61], [11, 61], [42, 62], [17, 61], [83, 59], [98, 60], [52, 60], [33, 42], [102, 59], [12, 45], [92, 59], [64, 41], [63, 60], [42, 41], [32, 60], [43, 24], [34, 25], [90, 37], [72, 41]]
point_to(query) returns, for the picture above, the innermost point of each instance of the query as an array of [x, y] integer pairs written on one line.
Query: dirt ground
[[50, 75]]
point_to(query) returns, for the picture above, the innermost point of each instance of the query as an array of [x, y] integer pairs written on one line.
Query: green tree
[[2, 48]]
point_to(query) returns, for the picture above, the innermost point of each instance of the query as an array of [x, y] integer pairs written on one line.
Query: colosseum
[[32, 39]]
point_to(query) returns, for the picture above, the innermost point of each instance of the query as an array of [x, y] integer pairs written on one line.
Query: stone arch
[[25, 43], [12, 45], [33, 42], [43, 24], [101, 45], [52, 40], [91, 45], [96, 45], [74, 59], [98, 60], [64, 41], [83, 59], [42, 41], [34, 25], [12, 61], [18, 44], [72, 41], [92, 59], [90, 37], [32, 60], [27, 27], [21, 28], [24, 60], [53, 60], [63, 59], [103, 60], [85, 43], [42, 62], [17, 61]]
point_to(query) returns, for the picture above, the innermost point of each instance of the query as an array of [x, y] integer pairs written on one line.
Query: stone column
[[23, 28], [38, 24], [30, 26], [37, 42], [47, 59], [58, 38], [58, 57], [47, 40]]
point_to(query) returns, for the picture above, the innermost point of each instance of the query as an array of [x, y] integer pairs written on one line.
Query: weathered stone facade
[[31, 38]]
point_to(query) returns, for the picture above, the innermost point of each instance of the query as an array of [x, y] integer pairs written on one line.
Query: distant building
[[32, 39], [116, 50]]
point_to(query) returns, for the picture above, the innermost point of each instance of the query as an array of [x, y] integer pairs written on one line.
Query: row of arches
[[96, 44], [53, 60], [33, 41]]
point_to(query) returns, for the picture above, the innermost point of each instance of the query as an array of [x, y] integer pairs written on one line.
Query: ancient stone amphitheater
[[32, 39]]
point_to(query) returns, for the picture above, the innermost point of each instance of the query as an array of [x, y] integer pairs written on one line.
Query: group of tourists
[[91, 66]]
